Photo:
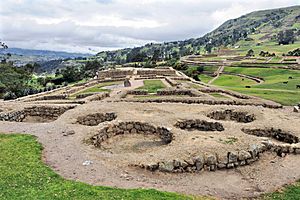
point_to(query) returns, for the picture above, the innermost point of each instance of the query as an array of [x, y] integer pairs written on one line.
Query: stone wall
[[51, 97], [209, 161], [121, 128], [158, 72], [46, 112], [174, 92], [238, 116], [96, 118], [216, 90], [195, 100], [200, 125], [114, 73], [97, 97], [277, 134], [172, 82], [229, 160], [137, 92]]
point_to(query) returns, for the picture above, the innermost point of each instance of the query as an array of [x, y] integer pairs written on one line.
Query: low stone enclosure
[[200, 125], [96, 118], [196, 100], [277, 134], [35, 114], [238, 116], [116, 73], [214, 161], [132, 127]]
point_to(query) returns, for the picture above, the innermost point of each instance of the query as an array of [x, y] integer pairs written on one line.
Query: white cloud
[[80, 25]]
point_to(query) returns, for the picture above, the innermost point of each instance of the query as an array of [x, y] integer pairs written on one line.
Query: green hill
[[258, 30]]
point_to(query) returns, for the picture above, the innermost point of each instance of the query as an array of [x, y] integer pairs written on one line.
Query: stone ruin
[[35, 114], [127, 83], [114, 73], [232, 115], [277, 134], [96, 118], [201, 125], [126, 128]]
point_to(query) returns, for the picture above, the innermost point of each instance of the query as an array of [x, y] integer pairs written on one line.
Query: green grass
[[218, 95], [273, 87], [272, 47], [291, 192], [286, 97], [204, 78], [274, 78], [97, 88], [152, 85], [24, 176], [233, 81]]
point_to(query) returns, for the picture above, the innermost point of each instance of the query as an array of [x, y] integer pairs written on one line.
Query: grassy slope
[[205, 78], [272, 88], [152, 85], [233, 81], [98, 88], [24, 176]]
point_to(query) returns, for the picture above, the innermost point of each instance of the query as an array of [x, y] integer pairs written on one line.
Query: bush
[[9, 96], [196, 78]]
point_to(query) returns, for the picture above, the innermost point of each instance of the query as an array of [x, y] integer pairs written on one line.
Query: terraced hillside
[[257, 30]]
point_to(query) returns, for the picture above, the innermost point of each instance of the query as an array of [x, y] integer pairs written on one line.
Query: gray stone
[[210, 159], [232, 157], [244, 155], [166, 166]]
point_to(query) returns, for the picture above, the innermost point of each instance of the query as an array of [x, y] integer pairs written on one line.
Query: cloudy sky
[[95, 25]]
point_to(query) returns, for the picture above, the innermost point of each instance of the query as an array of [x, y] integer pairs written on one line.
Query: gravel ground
[[66, 154]]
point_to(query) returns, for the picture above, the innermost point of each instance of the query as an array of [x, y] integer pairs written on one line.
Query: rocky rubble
[[200, 125], [46, 112], [238, 116], [277, 134], [96, 118]]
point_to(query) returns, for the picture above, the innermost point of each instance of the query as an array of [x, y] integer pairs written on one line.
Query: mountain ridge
[[264, 24]]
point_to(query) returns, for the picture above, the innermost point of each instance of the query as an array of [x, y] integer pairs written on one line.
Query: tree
[[91, 67], [71, 74], [286, 37], [156, 55]]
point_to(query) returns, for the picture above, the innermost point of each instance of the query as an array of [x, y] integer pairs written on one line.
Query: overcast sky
[[95, 25]]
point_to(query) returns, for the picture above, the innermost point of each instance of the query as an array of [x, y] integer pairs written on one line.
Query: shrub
[[9, 96]]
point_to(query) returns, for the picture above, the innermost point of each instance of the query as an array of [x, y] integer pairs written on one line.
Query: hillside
[[259, 28]]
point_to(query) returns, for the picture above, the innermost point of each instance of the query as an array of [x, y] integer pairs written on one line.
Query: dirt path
[[65, 154], [218, 72]]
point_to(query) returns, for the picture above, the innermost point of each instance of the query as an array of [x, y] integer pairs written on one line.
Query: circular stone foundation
[[126, 128]]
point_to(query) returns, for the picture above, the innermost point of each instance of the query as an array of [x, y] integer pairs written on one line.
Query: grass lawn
[[152, 85], [286, 97], [291, 192], [274, 78], [97, 88], [204, 78], [233, 81], [24, 176], [273, 87], [272, 47], [218, 95]]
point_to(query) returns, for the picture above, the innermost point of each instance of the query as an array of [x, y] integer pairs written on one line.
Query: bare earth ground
[[66, 154]]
